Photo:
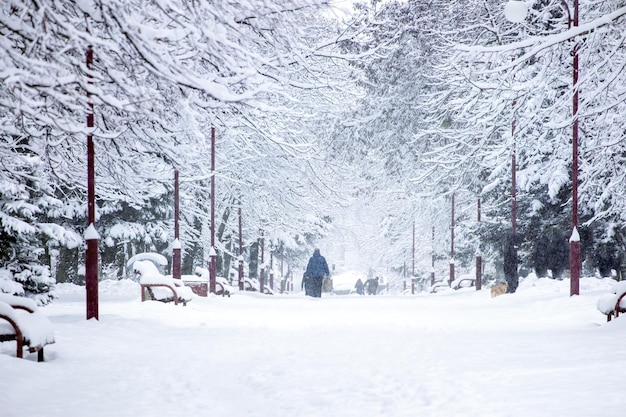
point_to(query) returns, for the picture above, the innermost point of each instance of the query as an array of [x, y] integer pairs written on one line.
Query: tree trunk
[[510, 263]]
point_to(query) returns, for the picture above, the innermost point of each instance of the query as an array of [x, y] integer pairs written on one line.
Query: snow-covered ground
[[536, 353]]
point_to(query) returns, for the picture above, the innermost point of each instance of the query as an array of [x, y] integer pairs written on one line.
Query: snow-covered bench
[[252, 284], [439, 286], [20, 321], [464, 282], [222, 286], [160, 287], [614, 303]]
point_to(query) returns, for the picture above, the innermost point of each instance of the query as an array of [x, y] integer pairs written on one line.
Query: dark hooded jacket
[[317, 266]]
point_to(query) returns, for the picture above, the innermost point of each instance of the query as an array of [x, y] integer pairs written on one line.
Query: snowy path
[[535, 353]]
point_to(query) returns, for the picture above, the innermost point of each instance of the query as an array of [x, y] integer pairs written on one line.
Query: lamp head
[[515, 11]]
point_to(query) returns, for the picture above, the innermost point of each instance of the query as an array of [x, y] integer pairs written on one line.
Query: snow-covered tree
[[473, 89], [162, 74]]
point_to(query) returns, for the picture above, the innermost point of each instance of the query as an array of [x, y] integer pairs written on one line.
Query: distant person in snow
[[359, 286], [372, 286], [375, 286], [368, 286], [316, 270]]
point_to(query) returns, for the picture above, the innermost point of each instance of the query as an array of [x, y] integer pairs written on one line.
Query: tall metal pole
[[514, 189], [575, 237], [176, 272], [91, 235], [262, 271], [452, 244], [479, 258], [413, 262], [413, 253], [240, 251], [432, 259], [212, 275], [271, 269], [515, 278]]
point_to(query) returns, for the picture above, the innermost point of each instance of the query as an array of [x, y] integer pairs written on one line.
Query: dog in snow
[[499, 289]]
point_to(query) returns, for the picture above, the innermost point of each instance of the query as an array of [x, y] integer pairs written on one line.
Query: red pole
[[514, 195], [240, 251], [452, 245], [272, 270], [479, 259], [91, 235], [432, 260], [413, 262], [575, 238], [514, 189], [262, 272], [176, 273], [212, 274]]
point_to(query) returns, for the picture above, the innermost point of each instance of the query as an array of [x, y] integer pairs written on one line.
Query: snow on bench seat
[[614, 303], [440, 286], [464, 281], [162, 287], [28, 328]]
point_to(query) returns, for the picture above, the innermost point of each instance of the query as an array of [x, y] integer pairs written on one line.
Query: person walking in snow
[[372, 286], [316, 270], [375, 286], [359, 286]]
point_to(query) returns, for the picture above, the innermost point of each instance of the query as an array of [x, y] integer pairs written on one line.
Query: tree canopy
[[394, 108]]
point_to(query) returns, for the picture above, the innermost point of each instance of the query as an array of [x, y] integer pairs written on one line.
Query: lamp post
[[176, 249], [452, 244], [479, 258], [515, 11], [176, 246], [91, 235], [432, 259], [212, 274], [413, 262], [511, 273], [240, 250], [212, 253], [262, 271], [272, 267], [574, 250]]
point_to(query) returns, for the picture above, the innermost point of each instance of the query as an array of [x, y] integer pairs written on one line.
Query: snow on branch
[[538, 44]]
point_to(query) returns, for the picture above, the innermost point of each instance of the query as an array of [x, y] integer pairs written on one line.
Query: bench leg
[[20, 347], [40, 355]]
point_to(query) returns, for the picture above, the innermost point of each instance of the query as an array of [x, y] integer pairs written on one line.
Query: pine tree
[[25, 198]]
